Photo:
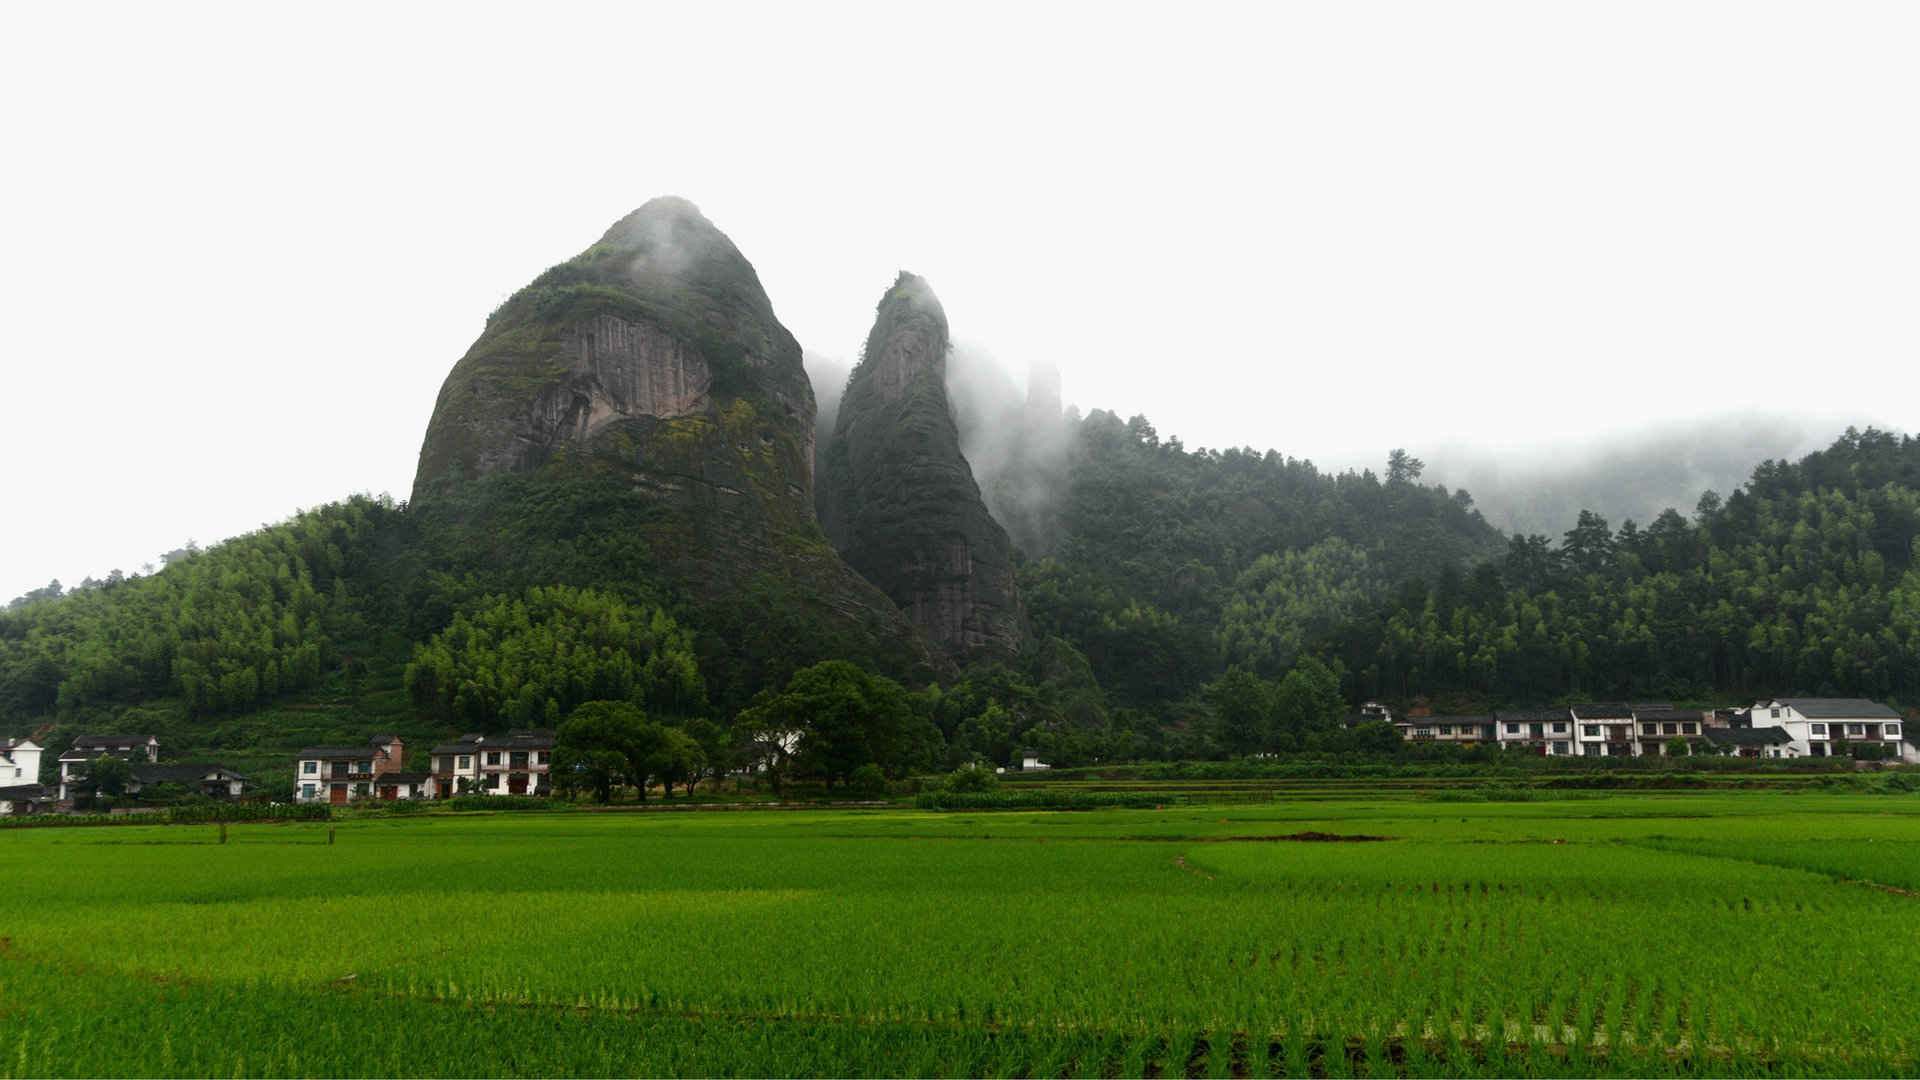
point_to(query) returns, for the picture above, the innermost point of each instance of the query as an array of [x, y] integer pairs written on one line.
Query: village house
[[454, 768], [1819, 726], [1464, 730], [338, 774], [1030, 761], [19, 762], [213, 781], [518, 763], [1752, 742], [1546, 732], [20, 790], [1605, 729], [394, 786], [138, 749], [1655, 728]]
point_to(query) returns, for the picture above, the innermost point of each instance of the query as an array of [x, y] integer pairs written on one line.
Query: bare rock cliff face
[[898, 498], [647, 379]]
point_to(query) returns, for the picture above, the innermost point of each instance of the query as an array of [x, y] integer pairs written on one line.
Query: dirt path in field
[[1181, 862]]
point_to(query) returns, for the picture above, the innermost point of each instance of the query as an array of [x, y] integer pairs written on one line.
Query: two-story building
[[1819, 727], [454, 768], [1546, 732], [338, 774], [519, 763], [20, 790], [1605, 729], [1655, 728], [138, 749]]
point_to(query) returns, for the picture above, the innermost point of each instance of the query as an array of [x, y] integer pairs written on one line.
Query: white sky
[[240, 247]]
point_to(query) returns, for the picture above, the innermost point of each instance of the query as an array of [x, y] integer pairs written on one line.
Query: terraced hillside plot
[[1626, 935]]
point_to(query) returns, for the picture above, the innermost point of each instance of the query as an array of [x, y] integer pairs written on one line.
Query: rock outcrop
[[898, 499], [647, 380]]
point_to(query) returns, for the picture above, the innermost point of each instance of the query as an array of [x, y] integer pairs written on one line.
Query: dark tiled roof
[[80, 753], [339, 752], [1603, 710], [403, 778], [1668, 714], [1530, 716], [184, 774], [1749, 736], [19, 792], [1829, 708], [455, 748], [90, 741], [1651, 706]]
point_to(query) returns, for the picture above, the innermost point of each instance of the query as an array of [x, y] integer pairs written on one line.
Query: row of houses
[[22, 792], [517, 763], [1775, 728]]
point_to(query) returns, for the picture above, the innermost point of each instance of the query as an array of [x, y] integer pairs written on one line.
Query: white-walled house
[[519, 763], [454, 768], [138, 749], [19, 762], [1546, 732], [1817, 726], [338, 774], [1030, 761], [1465, 730], [20, 790], [1604, 729]]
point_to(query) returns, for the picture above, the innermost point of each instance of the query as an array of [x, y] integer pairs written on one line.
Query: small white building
[[1030, 760], [1817, 726], [19, 762]]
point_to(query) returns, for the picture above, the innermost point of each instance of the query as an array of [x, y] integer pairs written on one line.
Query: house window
[[1446, 729], [518, 759], [307, 790], [1670, 729], [493, 757], [1513, 729], [493, 780], [1856, 729], [1559, 748], [359, 791], [1892, 730], [1423, 733], [1820, 730], [1591, 731], [543, 758], [1560, 727], [309, 768], [1774, 713], [362, 766], [1646, 729], [466, 761]]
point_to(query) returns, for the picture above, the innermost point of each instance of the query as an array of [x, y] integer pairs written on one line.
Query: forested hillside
[[1804, 581]]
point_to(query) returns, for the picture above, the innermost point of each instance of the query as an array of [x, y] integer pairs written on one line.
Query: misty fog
[[1019, 459], [1633, 476]]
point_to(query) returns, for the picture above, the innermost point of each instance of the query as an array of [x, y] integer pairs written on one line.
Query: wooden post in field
[[329, 834], [223, 832]]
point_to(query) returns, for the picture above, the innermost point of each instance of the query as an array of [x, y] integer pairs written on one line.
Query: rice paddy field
[[1722, 934]]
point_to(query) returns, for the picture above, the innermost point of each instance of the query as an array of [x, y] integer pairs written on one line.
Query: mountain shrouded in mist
[[897, 497], [645, 396]]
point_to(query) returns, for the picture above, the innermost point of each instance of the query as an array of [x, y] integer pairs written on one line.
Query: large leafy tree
[[844, 716]]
